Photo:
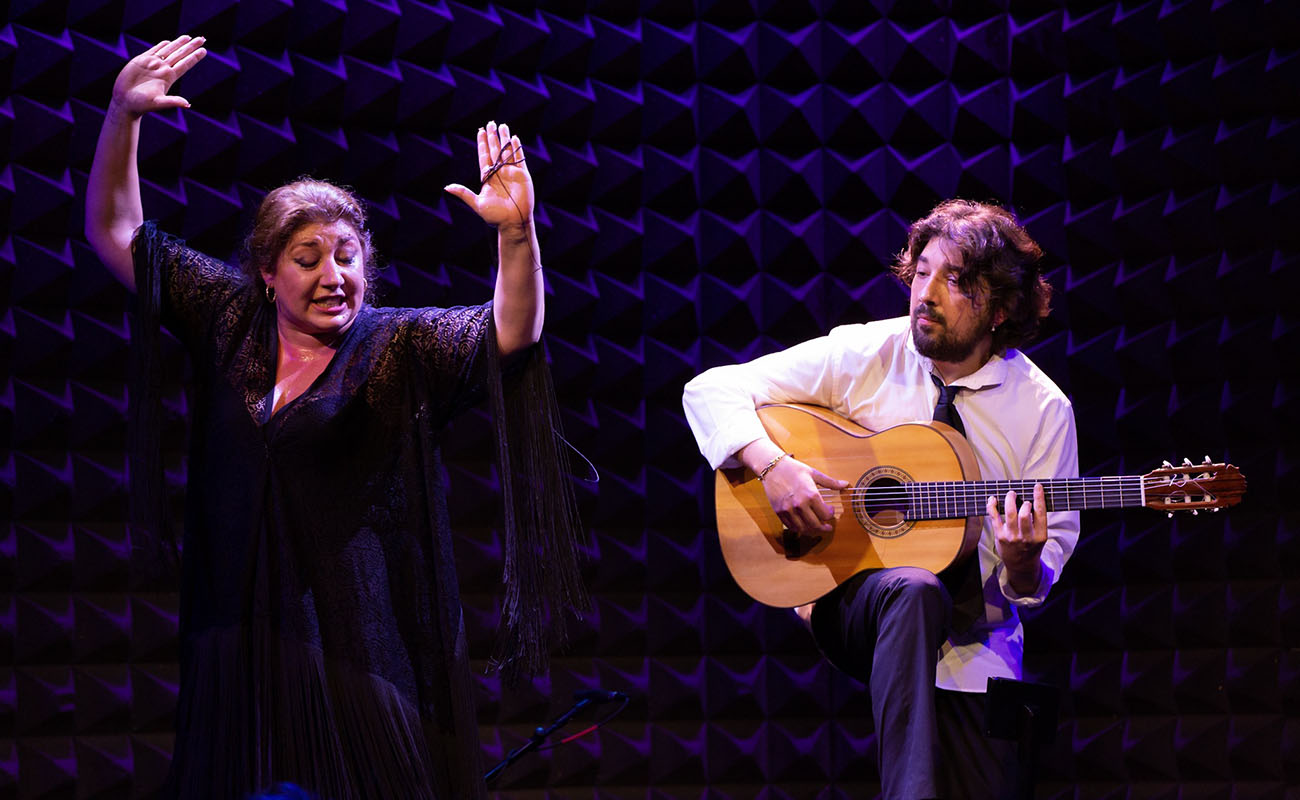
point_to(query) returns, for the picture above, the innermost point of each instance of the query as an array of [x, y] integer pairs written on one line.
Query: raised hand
[[506, 196], [143, 84]]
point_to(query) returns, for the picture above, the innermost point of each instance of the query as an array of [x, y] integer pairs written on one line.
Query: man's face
[[947, 324]]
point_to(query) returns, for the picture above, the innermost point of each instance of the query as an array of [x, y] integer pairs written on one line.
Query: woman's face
[[319, 279]]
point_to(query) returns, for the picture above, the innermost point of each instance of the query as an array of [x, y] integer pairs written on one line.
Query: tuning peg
[[1166, 464], [1187, 462], [1171, 515], [1196, 512], [1207, 460]]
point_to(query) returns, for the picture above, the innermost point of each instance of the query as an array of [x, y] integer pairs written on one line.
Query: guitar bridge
[[797, 545]]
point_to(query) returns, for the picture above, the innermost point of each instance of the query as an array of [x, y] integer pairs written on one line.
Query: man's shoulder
[[875, 333], [1031, 377]]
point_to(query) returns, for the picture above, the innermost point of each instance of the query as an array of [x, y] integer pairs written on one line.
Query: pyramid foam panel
[[718, 179]]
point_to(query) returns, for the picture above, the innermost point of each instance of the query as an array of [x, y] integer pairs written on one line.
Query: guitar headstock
[[1193, 487]]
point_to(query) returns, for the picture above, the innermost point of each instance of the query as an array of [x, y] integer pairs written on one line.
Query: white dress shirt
[[1019, 424]]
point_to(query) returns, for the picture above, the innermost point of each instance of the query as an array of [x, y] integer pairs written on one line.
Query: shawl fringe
[[155, 548], [543, 533]]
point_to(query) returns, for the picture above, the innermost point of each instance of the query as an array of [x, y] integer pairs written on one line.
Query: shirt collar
[[993, 373]]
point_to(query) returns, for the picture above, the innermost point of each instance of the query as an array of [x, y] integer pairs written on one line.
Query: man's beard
[[947, 345]]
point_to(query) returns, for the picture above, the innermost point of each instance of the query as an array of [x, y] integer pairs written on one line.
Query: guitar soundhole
[[880, 502]]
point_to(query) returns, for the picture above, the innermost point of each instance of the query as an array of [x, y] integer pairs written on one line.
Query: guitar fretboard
[[953, 499]]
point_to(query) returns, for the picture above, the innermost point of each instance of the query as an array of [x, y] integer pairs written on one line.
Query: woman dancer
[[321, 632]]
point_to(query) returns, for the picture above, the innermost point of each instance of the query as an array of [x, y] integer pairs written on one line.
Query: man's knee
[[918, 590]]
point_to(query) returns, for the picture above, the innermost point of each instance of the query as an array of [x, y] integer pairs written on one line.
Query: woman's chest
[[296, 373]]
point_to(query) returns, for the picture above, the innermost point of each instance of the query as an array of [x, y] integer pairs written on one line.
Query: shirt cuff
[[1034, 598], [722, 447]]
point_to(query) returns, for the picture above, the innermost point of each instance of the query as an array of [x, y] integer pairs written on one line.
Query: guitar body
[[780, 569]]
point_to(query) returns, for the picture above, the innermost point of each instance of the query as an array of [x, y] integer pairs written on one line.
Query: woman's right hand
[[113, 208], [143, 83]]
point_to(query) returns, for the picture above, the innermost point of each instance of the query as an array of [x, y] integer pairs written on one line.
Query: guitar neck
[[953, 499]]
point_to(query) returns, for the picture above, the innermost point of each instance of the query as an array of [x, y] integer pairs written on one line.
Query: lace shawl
[[542, 529]]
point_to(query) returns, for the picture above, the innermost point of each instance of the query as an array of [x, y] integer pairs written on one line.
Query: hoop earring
[[270, 294]]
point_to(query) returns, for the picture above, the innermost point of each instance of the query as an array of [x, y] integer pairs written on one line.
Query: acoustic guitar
[[915, 499]]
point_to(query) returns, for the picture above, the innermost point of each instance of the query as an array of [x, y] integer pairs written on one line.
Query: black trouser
[[885, 629]]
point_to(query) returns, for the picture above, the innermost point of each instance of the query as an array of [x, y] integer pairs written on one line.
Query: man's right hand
[[793, 488]]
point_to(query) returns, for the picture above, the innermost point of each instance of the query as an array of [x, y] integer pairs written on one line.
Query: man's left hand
[[1021, 534]]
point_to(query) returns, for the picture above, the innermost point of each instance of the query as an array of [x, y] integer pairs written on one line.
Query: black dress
[[321, 631]]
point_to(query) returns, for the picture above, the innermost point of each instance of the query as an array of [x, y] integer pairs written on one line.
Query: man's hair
[[303, 202], [1000, 263]]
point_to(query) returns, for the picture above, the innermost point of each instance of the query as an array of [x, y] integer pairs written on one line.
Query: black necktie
[[944, 410], [962, 580]]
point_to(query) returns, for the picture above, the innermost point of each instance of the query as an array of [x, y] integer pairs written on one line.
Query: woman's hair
[[303, 202], [999, 260]]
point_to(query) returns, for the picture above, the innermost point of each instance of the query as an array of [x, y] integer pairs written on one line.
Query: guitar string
[[919, 513], [1050, 485], [928, 496], [950, 510], [939, 495], [1047, 482], [938, 491]]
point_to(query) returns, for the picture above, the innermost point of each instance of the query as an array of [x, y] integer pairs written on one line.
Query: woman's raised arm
[[505, 202], [113, 210]]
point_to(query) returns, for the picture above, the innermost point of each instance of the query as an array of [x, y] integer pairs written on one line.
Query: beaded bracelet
[[763, 472]]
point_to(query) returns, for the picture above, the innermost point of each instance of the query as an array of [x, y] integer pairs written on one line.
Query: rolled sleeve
[[720, 403], [719, 444], [1046, 578]]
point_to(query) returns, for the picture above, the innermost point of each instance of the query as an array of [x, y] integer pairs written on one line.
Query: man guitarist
[[925, 645]]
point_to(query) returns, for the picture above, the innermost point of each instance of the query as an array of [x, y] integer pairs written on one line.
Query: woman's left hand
[[506, 196]]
